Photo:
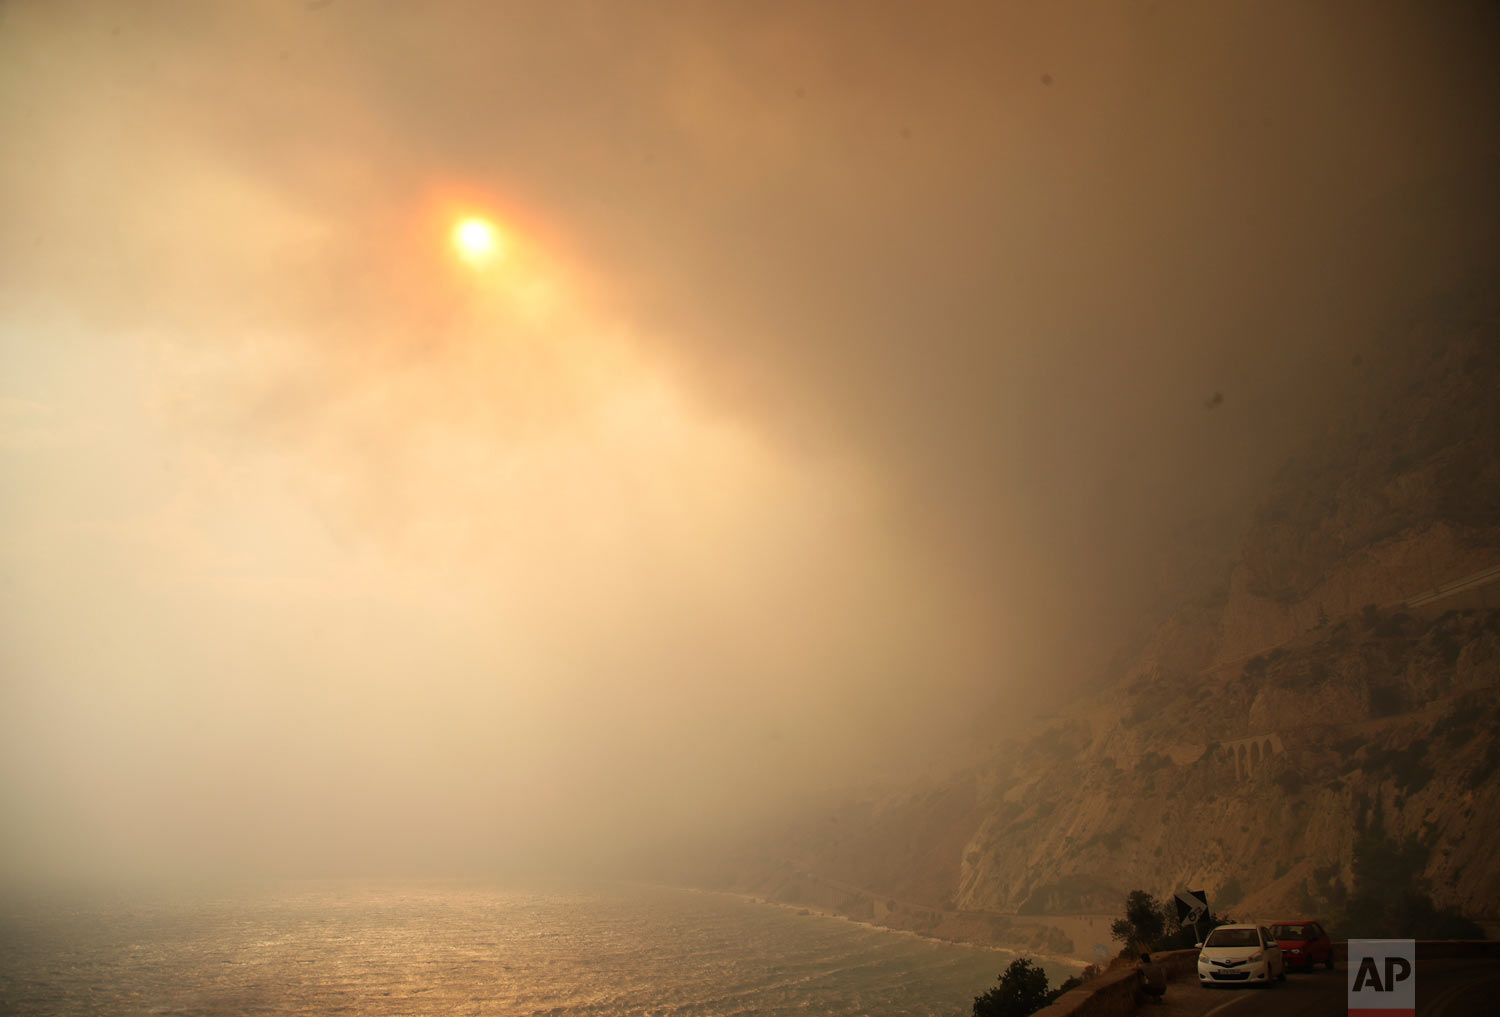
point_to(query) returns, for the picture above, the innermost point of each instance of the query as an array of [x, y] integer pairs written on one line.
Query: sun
[[476, 240]]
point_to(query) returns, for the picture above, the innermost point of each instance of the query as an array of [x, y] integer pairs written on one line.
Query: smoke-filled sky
[[847, 380]]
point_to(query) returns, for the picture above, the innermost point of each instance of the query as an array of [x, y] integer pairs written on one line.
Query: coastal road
[[1468, 987]]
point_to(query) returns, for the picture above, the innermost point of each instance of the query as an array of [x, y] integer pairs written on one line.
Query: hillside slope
[[1344, 673]]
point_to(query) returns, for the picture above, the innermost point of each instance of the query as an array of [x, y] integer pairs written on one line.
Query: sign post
[[1192, 905], [1382, 978]]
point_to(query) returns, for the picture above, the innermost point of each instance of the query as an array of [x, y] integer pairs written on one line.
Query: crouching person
[[1151, 977]]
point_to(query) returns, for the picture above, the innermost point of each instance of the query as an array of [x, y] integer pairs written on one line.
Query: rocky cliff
[[1347, 667]]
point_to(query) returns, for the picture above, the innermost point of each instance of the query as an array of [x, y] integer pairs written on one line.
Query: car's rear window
[[1293, 931], [1232, 937]]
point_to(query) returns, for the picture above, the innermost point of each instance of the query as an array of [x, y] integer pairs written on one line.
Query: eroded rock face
[[1279, 709], [1260, 617], [1265, 817], [1477, 662], [1254, 733], [1318, 752], [1384, 509]]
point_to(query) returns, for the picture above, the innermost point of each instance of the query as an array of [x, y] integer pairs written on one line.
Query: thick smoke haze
[[852, 382]]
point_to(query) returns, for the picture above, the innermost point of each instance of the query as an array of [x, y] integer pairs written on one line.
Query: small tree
[[1182, 937], [1022, 991], [1150, 924], [1144, 923]]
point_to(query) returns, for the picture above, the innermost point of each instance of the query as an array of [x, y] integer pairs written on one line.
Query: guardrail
[[1468, 582]]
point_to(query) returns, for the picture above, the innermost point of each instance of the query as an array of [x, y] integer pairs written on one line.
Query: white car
[[1240, 955]]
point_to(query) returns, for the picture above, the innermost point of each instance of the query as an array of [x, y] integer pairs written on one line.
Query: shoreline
[[1046, 959]]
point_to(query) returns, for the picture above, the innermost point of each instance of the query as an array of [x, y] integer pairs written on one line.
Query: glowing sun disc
[[476, 240]]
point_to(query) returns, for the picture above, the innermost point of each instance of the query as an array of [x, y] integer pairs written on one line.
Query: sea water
[[445, 949]]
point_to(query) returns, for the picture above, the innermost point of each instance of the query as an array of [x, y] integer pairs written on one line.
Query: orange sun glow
[[476, 240]]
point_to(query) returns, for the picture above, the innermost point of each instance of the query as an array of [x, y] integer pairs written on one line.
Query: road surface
[[1445, 988]]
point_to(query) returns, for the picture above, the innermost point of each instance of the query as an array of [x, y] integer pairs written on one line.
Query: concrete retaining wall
[[1116, 993]]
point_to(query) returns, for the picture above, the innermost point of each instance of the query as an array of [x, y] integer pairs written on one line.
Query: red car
[[1304, 944]]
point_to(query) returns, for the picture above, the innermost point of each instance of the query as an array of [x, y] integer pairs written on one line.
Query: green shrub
[[1407, 767], [1385, 700], [1144, 923], [1022, 991], [1458, 727], [1291, 782], [1153, 760], [1488, 764]]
